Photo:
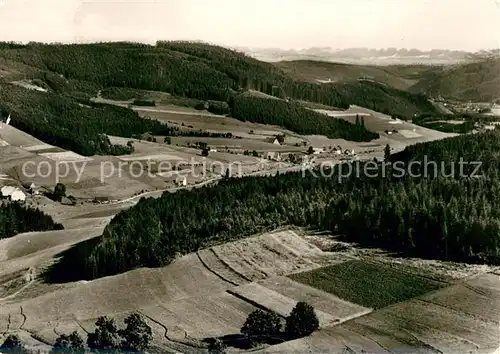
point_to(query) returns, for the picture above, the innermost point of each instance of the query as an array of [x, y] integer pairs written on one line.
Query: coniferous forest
[[296, 118], [81, 127], [16, 219], [453, 218], [194, 70]]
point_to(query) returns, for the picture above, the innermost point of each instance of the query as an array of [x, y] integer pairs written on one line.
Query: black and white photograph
[[265, 176]]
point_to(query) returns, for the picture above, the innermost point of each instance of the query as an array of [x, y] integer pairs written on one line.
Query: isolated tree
[[59, 192], [357, 120], [310, 151], [302, 321], [387, 153], [228, 173], [261, 323], [204, 152], [363, 121], [167, 140], [255, 153], [69, 343], [137, 334], [12, 344], [105, 336]]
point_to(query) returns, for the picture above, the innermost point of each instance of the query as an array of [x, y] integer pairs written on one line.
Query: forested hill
[[15, 219], [478, 81], [63, 121], [193, 70], [453, 218]]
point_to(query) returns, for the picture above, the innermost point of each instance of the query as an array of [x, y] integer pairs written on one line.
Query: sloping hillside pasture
[[407, 133], [115, 177], [16, 137], [283, 305], [241, 145], [322, 301], [273, 254], [164, 157], [188, 294], [190, 297], [463, 318], [195, 121]]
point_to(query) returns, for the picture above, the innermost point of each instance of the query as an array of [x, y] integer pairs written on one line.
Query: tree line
[[135, 337], [453, 218], [16, 219], [296, 118]]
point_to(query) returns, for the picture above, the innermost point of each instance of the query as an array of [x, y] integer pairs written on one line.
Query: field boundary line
[[457, 311], [24, 318], [400, 269], [213, 271], [225, 264], [191, 345], [251, 302]]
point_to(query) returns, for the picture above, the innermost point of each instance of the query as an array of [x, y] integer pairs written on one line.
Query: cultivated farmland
[[368, 284]]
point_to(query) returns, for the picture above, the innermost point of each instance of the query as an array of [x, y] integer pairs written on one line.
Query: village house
[[273, 155], [181, 181], [13, 193], [273, 141]]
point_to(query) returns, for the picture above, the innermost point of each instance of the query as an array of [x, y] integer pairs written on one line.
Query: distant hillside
[[478, 81], [194, 70], [400, 77], [363, 56]]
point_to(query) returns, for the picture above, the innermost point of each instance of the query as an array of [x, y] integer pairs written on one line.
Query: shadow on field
[[70, 263], [240, 341]]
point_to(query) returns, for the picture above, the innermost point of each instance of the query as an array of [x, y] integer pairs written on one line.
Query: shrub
[[137, 335], [12, 343], [105, 336], [69, 343], [261, 323], [302, 321]]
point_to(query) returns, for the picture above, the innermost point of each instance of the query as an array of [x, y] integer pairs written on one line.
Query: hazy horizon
[[468, 25]]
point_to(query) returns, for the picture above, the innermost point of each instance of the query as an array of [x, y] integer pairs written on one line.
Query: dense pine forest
[[296, 118], [453, 218], [16, 219], [194, 70], [63, 121]]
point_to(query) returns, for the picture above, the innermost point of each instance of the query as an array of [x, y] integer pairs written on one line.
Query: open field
[[194, 297], [322, 301], [273, 254], [367, 284], [462, 318], [395, 132], [279, 303], [210, 292], [158, 293], [16, 137]]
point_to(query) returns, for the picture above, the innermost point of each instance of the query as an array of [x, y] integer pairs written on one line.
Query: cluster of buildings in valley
[[468, 107]]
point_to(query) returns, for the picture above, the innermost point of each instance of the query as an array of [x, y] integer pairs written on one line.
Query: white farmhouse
[[13, 193], [18, 196], [7, 191]]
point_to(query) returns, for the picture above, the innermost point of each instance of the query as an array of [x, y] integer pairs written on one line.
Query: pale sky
[[421, 24]]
